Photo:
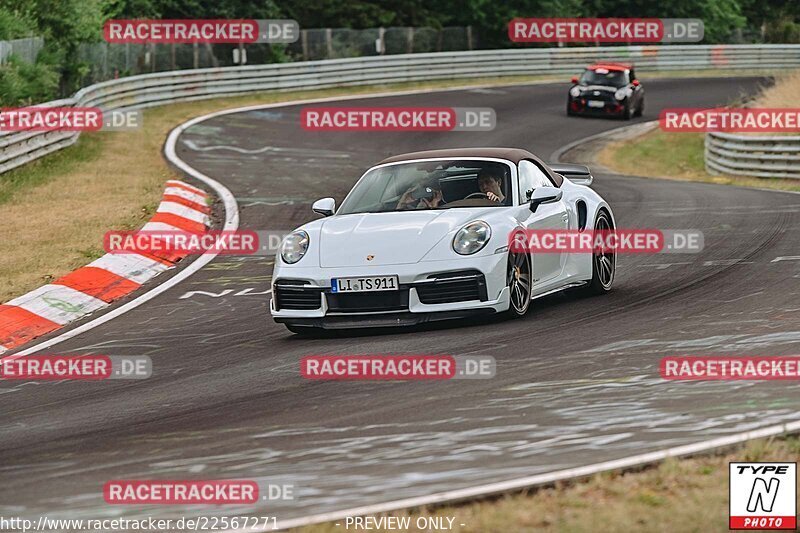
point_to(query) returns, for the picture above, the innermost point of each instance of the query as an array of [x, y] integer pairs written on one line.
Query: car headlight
[[471, 238], [575, 92], [621, 94], [294, 246]]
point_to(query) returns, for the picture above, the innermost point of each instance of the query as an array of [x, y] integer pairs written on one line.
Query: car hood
[[388, 238]]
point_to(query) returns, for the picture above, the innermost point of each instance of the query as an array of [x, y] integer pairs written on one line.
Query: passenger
[[426, 195]]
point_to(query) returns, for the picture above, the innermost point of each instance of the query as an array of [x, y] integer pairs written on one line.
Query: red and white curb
[[87, 289]]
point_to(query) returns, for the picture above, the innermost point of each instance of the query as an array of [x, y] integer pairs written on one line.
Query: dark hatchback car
[[606, 89]]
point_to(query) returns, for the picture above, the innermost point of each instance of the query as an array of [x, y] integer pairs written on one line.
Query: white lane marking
[[717, 343], [273, 149], [58, 303], [786, 258], [244, 292], [231, 224], [268, 204], [488, 91], [737, 298], [205, 293], [726, 262], [662, 266]]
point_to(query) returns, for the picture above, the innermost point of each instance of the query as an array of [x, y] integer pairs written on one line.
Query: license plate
[[595, 103], [365, 284]]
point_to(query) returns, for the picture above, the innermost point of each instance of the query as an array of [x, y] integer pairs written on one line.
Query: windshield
[[426, 185], [601, 76]]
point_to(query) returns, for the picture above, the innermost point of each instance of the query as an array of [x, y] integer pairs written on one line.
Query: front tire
[[518, 280], [627, 112], [604, 262]]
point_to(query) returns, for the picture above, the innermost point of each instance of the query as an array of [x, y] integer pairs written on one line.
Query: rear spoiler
[[578, 174]]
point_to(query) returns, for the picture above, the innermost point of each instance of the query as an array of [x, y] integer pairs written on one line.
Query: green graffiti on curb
[[62, 305]]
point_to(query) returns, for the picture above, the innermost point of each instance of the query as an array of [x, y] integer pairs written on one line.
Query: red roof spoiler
[[611, 66]]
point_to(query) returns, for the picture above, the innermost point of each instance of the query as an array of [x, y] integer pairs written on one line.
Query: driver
[[425, 195], [490, 182]]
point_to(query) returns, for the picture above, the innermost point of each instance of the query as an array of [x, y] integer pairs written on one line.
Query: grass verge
[[687, 495], [679, 156], [676, 156], [56, 210]]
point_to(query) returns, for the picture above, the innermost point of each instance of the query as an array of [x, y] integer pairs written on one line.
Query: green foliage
[[782, 31], [356, 14], [24, 84], [129, 9], [66, 24], [15, 25], [771, 12], [720, 17], [489, 19]]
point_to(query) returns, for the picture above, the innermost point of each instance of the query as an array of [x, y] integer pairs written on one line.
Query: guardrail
[[768, 157], [149, 90]]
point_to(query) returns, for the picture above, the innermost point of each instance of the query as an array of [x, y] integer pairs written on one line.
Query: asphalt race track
[[577, 379]]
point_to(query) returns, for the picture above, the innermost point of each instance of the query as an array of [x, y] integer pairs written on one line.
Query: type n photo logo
[[763, 496]]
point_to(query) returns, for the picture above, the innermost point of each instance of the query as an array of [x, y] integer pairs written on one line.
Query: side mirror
[[635, 83], [574, 79], [324, 207], [545, 195]]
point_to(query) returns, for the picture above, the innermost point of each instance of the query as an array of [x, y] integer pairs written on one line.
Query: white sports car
[[425, 236]]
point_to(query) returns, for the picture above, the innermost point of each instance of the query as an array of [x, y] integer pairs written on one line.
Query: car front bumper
[[580, 106], [404, 307]]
